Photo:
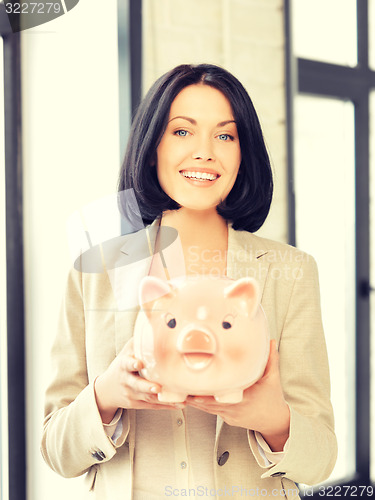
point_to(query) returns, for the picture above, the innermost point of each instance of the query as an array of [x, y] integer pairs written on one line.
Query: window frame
[[14, 260], [130, 70], [304, 76]]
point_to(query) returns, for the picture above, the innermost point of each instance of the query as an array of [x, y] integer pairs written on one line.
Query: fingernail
[[136, 365], [198, 400], [154, 389]]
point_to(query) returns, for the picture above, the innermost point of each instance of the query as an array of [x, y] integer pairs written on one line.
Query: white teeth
[[199, 175]]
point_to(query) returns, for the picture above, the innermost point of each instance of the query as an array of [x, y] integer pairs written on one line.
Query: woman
[[197, 162]]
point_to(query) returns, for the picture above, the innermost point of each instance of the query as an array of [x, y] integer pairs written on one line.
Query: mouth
[[205, 176], [197, 360]]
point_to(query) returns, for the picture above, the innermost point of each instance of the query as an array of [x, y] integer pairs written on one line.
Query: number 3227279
[[345, 491], [33, 8]]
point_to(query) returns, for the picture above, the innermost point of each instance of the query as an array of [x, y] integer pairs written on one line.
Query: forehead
[[201, 100]]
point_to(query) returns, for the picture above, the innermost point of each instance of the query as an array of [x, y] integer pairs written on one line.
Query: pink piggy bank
[[205, 336]]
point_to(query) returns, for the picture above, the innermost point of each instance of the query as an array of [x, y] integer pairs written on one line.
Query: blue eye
[[181, 133], [225, 137]]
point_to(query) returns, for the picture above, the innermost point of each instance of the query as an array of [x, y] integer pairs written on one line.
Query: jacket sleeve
[[74, 438], [312, 448]]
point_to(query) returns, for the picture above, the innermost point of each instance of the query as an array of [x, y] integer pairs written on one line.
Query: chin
[[198, 205]]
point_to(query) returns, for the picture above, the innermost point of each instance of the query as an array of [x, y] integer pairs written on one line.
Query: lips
[[200, 175], [197, 360]]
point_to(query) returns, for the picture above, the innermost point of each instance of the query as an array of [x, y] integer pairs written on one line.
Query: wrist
[[105, 408], [277, 435]]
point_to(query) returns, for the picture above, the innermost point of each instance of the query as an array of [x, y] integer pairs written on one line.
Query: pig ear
[[152, 288], [246, 289]]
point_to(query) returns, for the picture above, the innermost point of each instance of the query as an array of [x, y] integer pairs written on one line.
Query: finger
[[141, 385], [201, 400], [128, 347], [273, 359], [212, 409], [207, 404], [143, 405], [132, 364]]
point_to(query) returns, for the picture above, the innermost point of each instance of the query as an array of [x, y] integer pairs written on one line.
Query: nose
[[204, 157], [196, 341], [203, 151]]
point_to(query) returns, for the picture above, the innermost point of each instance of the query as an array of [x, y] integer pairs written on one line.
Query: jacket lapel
[[131, 266], [246, 258]]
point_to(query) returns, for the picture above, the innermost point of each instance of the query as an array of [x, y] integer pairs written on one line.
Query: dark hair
[[248, 203]]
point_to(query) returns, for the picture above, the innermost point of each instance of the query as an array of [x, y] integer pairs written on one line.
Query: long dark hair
[[248, 203]]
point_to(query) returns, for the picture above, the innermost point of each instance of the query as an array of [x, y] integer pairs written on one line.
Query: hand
[[120, 386], [263, 407]]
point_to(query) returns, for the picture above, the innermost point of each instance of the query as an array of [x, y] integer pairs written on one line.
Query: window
[[334, 50], [325, 207]]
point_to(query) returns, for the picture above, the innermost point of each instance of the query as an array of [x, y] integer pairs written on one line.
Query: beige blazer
[[93, 329]]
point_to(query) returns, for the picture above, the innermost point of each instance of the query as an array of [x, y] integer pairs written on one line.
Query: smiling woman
[[197, 162]]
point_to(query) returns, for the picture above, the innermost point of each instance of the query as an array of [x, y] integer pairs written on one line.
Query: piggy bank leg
[[171, 397], [230, 397]]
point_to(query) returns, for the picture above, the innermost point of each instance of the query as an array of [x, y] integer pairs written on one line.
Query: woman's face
[[199, 154]]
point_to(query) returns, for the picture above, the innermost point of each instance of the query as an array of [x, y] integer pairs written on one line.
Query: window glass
[[3, 310], [325, 228], [372, 277], [325, 31]]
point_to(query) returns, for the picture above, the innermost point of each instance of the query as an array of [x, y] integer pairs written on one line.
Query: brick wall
[[247, 38]]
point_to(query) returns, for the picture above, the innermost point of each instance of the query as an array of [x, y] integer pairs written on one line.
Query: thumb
[[128, 347], [273, 359]]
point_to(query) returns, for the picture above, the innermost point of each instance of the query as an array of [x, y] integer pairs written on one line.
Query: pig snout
[[196, 340], [197, 348]]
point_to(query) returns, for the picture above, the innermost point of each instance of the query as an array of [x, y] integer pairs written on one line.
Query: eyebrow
[[194, 122]]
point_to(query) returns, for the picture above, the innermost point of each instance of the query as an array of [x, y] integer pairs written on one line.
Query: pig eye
[[171, 321], [227, 322]]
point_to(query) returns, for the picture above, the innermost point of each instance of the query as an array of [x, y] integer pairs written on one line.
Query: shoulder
[[271, 251]]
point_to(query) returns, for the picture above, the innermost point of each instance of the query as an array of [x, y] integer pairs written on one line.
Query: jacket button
[[98, 455], [276, 474], [223, 458]]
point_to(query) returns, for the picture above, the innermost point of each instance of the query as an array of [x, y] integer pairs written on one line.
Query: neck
[[195, 227]]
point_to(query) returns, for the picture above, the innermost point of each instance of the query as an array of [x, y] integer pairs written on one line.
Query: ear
[[246, 289], [152, 288]]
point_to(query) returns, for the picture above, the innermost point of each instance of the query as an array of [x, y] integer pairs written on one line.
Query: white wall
[[247, 38], [71, 156]]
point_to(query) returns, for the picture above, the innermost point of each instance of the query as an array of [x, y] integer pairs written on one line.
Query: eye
[[181, 133], [227, 322], [226, 137], [171, 321]]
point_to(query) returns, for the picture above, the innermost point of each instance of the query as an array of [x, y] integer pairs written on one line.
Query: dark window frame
[[130, 69], [305, 76], [14, 260]]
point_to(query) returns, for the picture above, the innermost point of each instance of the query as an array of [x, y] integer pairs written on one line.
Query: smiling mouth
[[199, 176]]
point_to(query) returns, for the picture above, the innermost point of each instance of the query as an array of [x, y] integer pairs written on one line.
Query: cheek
[[165, 346], [235, 347], [235, 352]]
